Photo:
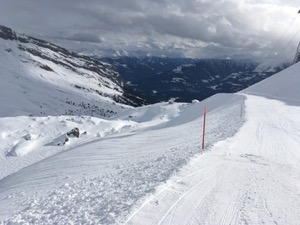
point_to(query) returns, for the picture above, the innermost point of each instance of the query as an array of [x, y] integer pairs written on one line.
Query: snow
[[250, 178], [36, 138], [33, 90], [284, 86], [178, 69], [109, 174], [178, 80], [214, 87], [145, 165]]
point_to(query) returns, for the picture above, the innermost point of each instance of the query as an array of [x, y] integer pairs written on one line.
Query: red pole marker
[[204, 121]]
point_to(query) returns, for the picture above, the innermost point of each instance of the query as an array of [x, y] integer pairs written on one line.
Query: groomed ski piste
[[146, 165]]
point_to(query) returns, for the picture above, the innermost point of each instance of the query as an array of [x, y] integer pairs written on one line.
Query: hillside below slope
[[39, 78]]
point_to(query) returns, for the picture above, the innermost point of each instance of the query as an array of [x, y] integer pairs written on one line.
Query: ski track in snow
[[104, 191], [253, 177]]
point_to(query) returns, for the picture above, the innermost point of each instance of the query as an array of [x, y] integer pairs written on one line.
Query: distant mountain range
[[40, 78], [162, 78]]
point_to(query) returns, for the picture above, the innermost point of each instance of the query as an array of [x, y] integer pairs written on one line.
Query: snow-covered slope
[[39, 78], [250, 178], [283, 86], [145, 165], [110, 166]]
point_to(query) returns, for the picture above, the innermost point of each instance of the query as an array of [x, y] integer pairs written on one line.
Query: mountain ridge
[[186, 79], [85, 82]]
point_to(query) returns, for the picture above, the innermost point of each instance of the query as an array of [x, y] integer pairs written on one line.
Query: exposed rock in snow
[[73, 133]]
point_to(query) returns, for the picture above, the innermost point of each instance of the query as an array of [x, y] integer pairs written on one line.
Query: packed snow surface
[[146, 165]]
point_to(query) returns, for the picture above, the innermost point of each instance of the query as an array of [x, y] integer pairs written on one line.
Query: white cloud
[[200, 28]]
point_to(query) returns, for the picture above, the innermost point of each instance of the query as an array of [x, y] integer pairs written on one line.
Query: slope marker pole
[[204, 123]]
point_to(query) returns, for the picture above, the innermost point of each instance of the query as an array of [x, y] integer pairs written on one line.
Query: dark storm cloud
[[83, 37], [195, 27]]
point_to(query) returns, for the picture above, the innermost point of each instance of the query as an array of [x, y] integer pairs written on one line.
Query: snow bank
[[26, 140], [283, 85]]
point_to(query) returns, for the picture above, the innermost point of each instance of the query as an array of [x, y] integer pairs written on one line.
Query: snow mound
[[156, 113], [26, 140], [22, 148], [283, 85]]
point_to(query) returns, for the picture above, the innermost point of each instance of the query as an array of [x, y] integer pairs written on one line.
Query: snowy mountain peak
[[44, 79]]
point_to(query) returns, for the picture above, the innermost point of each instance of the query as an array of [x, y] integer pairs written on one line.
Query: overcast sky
[[197, 28]]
